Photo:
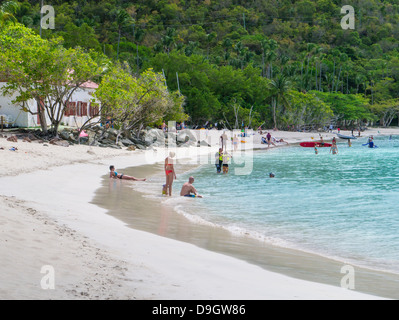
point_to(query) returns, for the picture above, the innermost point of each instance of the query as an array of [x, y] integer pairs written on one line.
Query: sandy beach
[[47, 218]]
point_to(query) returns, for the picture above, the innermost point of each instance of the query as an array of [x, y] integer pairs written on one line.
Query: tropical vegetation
[[282, 64]]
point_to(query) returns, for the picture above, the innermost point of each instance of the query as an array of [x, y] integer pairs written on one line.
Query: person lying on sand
[[279, 140], [188, 189], [113, 174]]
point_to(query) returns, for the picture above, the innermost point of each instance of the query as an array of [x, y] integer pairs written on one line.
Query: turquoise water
[[341, 206]]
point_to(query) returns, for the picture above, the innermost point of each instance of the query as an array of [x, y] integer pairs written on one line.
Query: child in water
[[226, 160]]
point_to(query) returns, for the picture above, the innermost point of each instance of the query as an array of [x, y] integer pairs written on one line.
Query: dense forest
[[260, 62]]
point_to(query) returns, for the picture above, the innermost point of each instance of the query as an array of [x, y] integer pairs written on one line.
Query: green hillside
[[283, 63]]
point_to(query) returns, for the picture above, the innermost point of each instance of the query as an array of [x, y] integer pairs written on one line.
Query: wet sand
[[143, 212]]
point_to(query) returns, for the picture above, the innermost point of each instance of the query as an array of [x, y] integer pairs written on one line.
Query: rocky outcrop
[[112, 138]]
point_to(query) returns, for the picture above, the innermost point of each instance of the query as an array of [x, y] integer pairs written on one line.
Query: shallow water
[[341, 206], [319, 213]]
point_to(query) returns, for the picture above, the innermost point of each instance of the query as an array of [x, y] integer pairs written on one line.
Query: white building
[[79, 110]]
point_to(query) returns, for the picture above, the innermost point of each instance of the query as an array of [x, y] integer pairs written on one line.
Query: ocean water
[[343, 207]]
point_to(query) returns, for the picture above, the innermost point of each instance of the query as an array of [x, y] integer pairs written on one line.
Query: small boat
[[342, 136], [311, 144]]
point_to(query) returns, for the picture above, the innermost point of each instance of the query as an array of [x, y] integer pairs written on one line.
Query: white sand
[[46, 219]]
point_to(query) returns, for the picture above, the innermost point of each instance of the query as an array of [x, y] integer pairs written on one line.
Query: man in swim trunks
[[115, 175], [321, 141], [188, 189]]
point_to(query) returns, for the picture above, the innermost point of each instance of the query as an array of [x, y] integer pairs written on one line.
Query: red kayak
[[312, 144]]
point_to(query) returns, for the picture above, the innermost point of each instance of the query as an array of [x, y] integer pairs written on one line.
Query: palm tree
[[359, 80], [168, 39], [227, 45], [268, 56], [122, 20], [138, 35], [265, 46], [279, 88], [209, 38], [190, 48], [7, 11]]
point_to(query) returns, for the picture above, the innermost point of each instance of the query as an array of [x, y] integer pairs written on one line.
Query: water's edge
[[151, 215]]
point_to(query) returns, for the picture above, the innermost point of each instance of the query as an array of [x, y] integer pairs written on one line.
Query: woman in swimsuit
[[113, 174], [169, 172], [334, 149]]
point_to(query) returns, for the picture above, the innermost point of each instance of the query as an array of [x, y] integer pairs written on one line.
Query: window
[[70, 109], [94, 109], [84, 109]]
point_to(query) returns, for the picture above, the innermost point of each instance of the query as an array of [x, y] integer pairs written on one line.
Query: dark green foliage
[[228, 52]]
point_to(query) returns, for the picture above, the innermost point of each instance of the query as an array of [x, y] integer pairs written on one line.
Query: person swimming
[[115, 175], [371, 144]]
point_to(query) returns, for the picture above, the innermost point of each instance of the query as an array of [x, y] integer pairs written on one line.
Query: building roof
[[89, 85]]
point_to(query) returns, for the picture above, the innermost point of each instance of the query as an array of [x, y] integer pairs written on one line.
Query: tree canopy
[[224, 52]]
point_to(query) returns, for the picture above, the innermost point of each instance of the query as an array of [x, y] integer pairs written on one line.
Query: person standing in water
[[115, 175], [334, 148], [169, 172], [321, 141], [219, 160], [226, 160]]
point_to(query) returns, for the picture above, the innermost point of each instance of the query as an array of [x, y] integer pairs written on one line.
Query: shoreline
[[146, 276], [300, 264]]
